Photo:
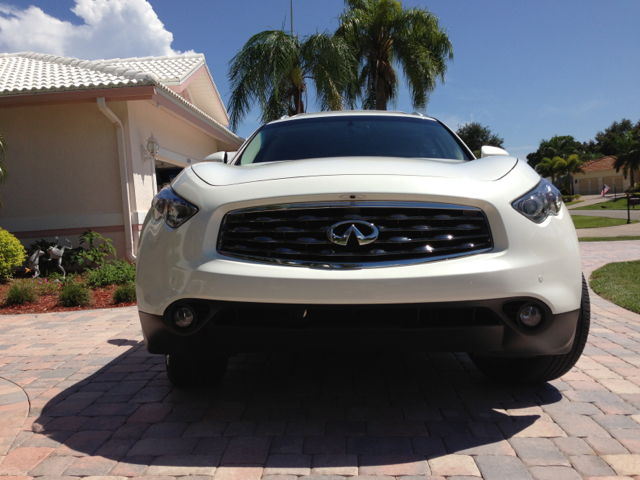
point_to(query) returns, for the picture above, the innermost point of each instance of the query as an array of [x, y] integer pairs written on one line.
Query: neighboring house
[[598, 173], [78, 134]]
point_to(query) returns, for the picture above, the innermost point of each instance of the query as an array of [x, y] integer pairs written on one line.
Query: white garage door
[[589, 186]]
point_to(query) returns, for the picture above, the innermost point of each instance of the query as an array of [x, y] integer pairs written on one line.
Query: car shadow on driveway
[[291, 413]]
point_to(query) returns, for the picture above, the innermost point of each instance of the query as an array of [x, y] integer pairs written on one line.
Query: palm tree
[[552, 168], [562, 146], [628, 157], [383, 34], [3, 168], [573, 165], [273, 69], [557, 167], [557, 146]]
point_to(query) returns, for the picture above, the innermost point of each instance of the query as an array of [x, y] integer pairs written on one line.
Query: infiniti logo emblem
[[355, 228]]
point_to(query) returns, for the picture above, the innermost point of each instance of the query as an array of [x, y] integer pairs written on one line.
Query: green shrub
[[94, 255], [570, 198], [74, 294], [56, 277], [125, 293], [115, 272], [21, 292], [44, 286], [12, 254]]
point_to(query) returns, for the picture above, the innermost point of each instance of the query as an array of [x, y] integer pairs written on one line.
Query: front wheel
[[188, 371], [545, 367]]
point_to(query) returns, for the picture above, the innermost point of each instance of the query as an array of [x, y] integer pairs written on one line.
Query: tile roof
[[28, 72], [167, 69], [605, 163]]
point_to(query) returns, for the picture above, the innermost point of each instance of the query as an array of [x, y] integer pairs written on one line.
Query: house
[[91, 142], [601, 172]]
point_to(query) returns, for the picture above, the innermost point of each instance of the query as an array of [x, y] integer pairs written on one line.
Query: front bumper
[[226, 328], [528, 260], [539, 262]]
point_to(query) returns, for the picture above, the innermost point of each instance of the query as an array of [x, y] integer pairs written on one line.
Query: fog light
[[530, 316], [183, 317]]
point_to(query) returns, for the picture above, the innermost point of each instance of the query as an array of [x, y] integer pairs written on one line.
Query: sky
[[527, 70]]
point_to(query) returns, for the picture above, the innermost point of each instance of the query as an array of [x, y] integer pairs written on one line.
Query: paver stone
[[624, 464], [393, 465], [449, 465], [554, 473]]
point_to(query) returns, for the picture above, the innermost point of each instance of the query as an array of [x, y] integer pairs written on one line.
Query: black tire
[[188, 371], [543, 368]]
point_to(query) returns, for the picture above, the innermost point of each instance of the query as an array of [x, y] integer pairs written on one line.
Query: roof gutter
[[173, 102], [124, 178]]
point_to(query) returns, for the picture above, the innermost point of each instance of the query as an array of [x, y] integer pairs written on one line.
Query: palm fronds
[[629, 157], [273, 68], [383, 34]]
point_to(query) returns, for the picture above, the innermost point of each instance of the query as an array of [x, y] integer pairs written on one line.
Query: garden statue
[[34, 262], [56, 254]]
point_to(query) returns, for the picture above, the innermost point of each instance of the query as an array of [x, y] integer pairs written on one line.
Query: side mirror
[[489, 151], [217, 157]]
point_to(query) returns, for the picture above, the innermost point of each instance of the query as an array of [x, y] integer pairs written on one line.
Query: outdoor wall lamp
[[152, 146]]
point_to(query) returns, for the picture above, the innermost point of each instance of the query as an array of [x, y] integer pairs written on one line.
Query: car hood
[[485, 169]]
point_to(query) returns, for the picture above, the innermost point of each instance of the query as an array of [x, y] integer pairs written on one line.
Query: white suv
[[362, 230]]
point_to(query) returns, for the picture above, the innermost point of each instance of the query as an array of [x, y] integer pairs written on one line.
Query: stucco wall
[[172, 133], [63, 168]]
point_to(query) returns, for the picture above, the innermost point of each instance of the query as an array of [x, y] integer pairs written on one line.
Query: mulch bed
[[102, 298]]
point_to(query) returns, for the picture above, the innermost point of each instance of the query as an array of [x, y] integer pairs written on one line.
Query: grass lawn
[[582, 221], [607, 239], [574, 202], [619, 283], [620, 204]]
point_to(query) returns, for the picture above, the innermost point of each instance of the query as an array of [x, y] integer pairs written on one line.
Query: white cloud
[[112, 28]]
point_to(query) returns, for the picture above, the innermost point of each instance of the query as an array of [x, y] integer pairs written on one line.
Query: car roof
[[340, 113]]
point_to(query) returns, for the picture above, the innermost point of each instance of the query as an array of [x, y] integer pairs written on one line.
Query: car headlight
[[539, 203], [174, 209]]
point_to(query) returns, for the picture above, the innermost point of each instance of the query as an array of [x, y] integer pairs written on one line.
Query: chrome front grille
[[407, 232]]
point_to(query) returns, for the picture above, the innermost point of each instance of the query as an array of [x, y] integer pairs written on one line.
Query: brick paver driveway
[[99, 405]]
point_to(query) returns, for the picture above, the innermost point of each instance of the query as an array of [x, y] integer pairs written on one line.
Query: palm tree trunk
[[297, 99], [631, 177], [572, 182], [381, 99]]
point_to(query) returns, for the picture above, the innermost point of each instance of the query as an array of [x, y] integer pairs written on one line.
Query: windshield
[[352, 136]]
